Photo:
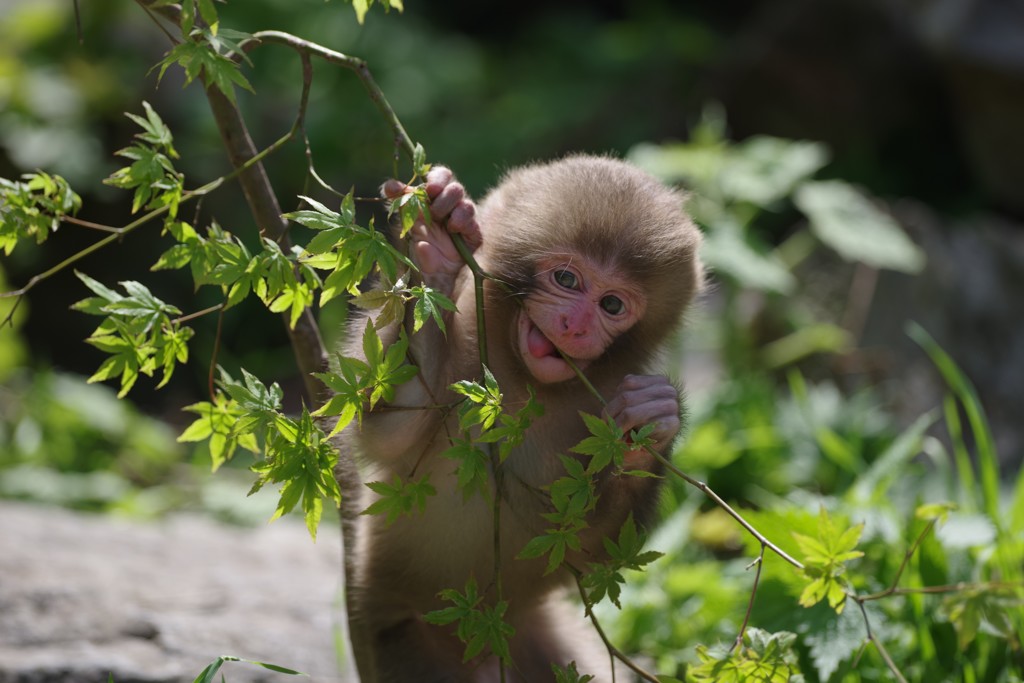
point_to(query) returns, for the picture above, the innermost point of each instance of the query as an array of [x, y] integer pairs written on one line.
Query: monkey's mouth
[[542, 358]]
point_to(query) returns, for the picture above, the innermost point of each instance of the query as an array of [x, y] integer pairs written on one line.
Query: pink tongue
[[539, 345]]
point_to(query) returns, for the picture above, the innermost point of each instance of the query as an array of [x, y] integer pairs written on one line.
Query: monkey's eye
[[613, 305], [567, 279]]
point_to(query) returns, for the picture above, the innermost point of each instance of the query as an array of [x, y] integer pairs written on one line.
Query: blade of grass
[[988, 462]]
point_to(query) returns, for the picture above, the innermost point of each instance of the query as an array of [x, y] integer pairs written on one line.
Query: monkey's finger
[[644, 383], [438, 178], [635, 390], [463, 221], [662, 413], [392, 189], [445, 202]]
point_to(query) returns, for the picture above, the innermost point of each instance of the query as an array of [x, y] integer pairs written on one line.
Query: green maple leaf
[[554, 543], [430, 304], [200, 58], [605, 444], [473, 469], [400, 497], [825, 559], [218, 422], [484, 406], [348, 385]]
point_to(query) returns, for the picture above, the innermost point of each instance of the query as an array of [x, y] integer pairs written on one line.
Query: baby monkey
[[598, 262]]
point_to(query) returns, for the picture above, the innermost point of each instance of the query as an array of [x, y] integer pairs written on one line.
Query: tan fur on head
[[605, 209]]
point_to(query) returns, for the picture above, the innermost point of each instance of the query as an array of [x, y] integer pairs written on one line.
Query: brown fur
[[601, 209]]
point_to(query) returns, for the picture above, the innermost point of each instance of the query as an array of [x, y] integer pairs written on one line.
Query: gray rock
[[83, 597]]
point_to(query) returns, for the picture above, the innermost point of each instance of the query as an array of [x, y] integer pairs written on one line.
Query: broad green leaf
[[804, 342], [845, 220], [726, 251], [763, 170]]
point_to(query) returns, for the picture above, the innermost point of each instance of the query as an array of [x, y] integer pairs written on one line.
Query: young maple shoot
[[482, 410], [825, 559], [359, 385], [605, 578], [477, 626], [764, 657], [574, 495], [296, 452], [34, 208], [138, 331], [400, 497], [152, 174]]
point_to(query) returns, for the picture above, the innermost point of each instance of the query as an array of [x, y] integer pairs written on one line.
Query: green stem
[[612, 650], [696, 483], [750, 604], [358, 66]]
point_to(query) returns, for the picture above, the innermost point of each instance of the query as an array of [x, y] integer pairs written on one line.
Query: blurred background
[[918, 104], [816, 138]]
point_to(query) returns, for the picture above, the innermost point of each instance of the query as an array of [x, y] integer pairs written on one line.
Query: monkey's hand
[[451, 211], [646, 400]]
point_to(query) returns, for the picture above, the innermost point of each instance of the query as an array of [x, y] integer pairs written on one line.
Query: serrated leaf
[[430, 304]]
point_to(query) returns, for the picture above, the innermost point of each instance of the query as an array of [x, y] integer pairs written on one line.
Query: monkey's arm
[[411, 419], [451, 211]]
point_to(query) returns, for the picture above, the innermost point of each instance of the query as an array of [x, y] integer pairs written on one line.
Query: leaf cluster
[[362, 384], [825, 558], [206, 51], [348, 251], [483, 420], [574, 495], [33, 209], [139, 331], [151, 174], [295, 452], [480, 626], [605, 579], [763, 657]]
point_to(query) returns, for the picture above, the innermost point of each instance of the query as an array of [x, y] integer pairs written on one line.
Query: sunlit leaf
[[846, 221]]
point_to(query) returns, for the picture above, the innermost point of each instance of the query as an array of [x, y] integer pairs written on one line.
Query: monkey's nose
[[574, 325]]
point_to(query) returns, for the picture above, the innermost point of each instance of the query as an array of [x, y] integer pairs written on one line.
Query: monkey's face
[[577, 307]]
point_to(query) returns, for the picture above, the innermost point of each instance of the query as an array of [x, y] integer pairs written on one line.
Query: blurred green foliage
[[786, 448]]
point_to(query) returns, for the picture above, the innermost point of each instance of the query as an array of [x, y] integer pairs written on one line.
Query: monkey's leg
[[411, 651]]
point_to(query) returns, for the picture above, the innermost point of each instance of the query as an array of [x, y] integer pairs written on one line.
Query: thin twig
[[76, 257], [612, 650], [750, 604], [903, 565], [88, 224], [215, 353], [878, 644], [354, 64], [198, 314], [707, 490]]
